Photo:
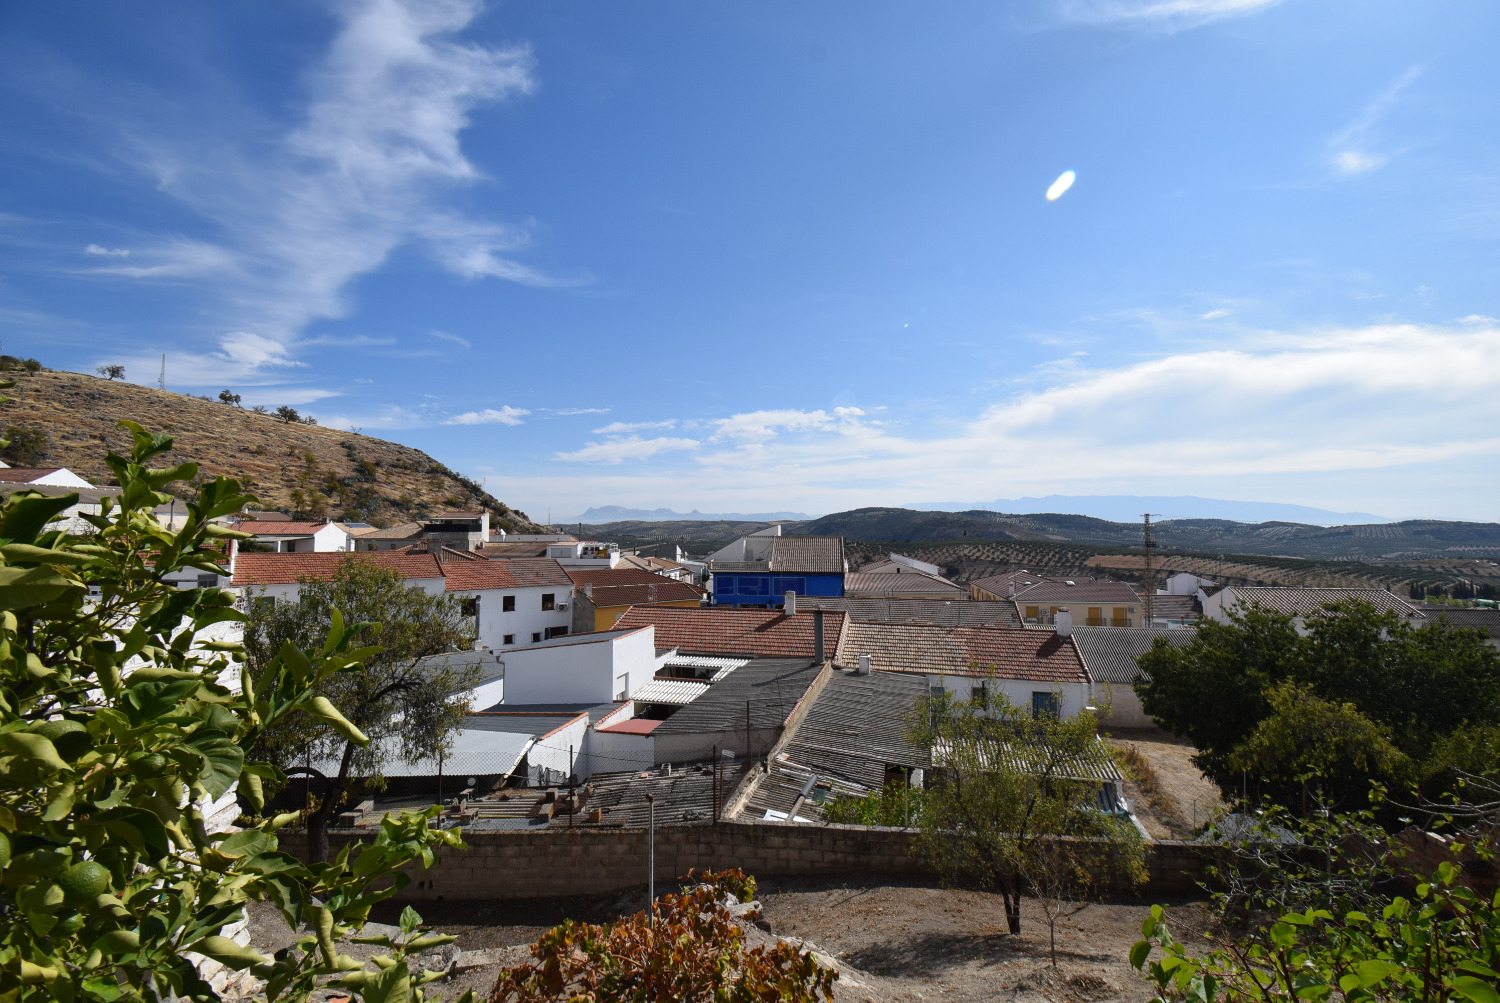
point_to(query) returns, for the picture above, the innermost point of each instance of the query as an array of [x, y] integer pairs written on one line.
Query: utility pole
[[651, 859], [1150, 547], [161, 378]]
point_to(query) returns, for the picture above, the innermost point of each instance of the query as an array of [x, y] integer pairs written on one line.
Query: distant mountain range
[[1368, 541], [615, 513], [1128, 508]]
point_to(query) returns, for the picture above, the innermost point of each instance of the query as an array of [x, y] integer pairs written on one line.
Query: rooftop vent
[[863, 669]]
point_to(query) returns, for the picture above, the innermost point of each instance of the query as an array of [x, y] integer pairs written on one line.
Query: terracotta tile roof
[[1172, 607], [953, 612], [24, 475], [808, 554], [279, 527], [510, 551], [1081, 591], [1472, 618], [404, 531], [1310, 602], [643, 594], [1040, 656], [884, 583], [470, 575], [1000, 585], [601, 577], [716, 631], [288, 569]]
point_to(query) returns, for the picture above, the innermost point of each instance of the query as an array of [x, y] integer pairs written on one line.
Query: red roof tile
[[642, 594], [465, 574], [280, 527], [1012, 653], [716, 631], [615, 576], [288, 569]]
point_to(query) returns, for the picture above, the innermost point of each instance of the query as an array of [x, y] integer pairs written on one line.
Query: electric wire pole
[[1150, 578]]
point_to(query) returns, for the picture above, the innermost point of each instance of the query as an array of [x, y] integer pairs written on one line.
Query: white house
[[513, 602], [289, 536], [583, 553], [1302, 603], [57, 477], [608, 666]]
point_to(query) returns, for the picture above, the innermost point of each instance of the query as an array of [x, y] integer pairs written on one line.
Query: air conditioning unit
[[562, 605]]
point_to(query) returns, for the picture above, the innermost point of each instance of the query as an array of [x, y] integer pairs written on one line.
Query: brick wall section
[[591, 861]]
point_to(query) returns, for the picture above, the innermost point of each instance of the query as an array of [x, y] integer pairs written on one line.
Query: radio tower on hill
[[1150, 586]]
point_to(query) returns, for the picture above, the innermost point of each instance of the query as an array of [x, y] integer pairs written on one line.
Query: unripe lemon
[[84, 882], [70, 738]]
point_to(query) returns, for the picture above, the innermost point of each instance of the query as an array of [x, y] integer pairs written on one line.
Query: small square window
[[469, 606], [509, 639], [536, 636], [208, 581], [549, 601], [507, 604], [263, 605]]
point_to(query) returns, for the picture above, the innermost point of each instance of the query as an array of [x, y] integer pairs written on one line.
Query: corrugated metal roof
[[763, 692], [674, 692], [1077, 591], [1110, 653], [951, 612], [1310, 602], [880, 583]]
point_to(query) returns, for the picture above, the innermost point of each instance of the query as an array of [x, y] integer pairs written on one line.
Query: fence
[[588, 861]]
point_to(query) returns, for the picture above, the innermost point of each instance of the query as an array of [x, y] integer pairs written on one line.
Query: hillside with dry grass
[[304, 470]]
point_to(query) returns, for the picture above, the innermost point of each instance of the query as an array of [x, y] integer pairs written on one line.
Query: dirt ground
[[892, 943], [1176, 801]]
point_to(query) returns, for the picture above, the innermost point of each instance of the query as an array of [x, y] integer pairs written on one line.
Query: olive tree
[[1014, 804], [121, 719], [409, 709]]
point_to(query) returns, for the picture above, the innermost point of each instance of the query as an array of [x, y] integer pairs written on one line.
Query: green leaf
[[227, 953], [222, 761], [322, 708], [118, 942], [1475, 989], [390, 986], [1139, 953], [23, 588], [1371, 972], [247, 843], [26, 515], [33, 747], [25, 553]]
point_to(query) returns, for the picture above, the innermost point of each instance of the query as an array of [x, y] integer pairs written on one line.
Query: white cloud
[[105, 252], [616, 427], [445, 336], [1350, 148], [578, 410], [1161, 14], [1214, 314], [1341, 406], [505, 415], [370, 167], [633, 447], [1478, 318], [761, 426]]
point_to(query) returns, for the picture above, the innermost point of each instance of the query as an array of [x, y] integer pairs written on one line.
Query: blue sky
[[780, 255]]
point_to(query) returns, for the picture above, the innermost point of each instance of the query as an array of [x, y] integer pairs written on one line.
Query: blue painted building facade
[[760, 569]]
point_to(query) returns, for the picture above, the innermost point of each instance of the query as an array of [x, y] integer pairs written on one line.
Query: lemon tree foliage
[[1441, 945], [118, 723], [686, 947]]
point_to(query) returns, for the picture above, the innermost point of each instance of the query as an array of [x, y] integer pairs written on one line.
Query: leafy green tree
[[287, 413], [25, 447], [1307, 741], [120, 721], [410, 710], [1439, 945], [111, 372], [1006, 785], [229, 397]]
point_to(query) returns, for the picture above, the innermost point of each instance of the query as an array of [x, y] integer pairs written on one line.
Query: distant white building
[[57, 477]]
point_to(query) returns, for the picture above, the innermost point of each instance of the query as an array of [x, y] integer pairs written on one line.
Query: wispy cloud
[[633, 447], [762, 426], [504, 415], [1214, 314], [445, 336], [577, 410], [1168, 15], [616, 427], [369, 167], [1351, 149], [105, 252]]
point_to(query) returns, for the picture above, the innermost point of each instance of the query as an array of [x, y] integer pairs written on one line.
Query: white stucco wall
[[1072, 697], [580, 671], [528, 617], [1124, 706], [551, 751]]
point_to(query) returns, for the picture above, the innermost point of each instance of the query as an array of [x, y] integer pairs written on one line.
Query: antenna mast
[[1150, 547], [161, 379]]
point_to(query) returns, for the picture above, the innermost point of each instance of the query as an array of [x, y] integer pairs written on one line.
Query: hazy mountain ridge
[[1128, 508], [617, 513]]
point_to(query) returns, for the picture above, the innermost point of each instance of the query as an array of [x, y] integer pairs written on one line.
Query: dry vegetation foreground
[[891, 942]]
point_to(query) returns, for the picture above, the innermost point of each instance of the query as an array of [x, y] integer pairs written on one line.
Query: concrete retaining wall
[[592, 861]]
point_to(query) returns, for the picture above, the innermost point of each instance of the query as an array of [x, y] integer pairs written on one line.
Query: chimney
[[791, 604], [588, 589], [864, 666], [818, 634], [435, 548], [1062, 621]]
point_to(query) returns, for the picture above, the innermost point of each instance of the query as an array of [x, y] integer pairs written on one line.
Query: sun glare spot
[[1062, 184]]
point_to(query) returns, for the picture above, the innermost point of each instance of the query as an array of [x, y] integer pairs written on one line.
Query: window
[[1043, 704], [781, 586], [755, 586], [208, 581], [549, 600], [509, 639], [936, 691], [556, 631], [263, 605], [1096, 616], [469, 606], [1118, 616], [507, 604], [536, 636], [1031, 612], [622, 686], [724, 585]]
